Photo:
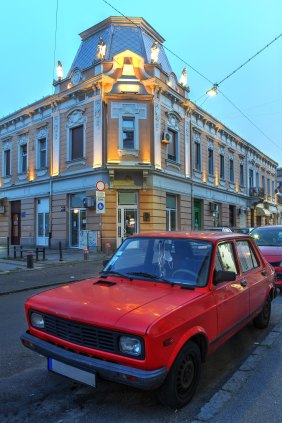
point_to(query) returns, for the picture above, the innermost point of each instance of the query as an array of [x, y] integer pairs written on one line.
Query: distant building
[[119, 148]]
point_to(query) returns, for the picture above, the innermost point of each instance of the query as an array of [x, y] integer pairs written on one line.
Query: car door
[[254, 273], [232, 298]]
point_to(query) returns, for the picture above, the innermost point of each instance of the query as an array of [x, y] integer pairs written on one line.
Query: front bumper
[[142, 379]]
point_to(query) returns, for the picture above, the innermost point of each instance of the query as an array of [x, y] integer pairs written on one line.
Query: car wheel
[[262, 319], [181, 383]]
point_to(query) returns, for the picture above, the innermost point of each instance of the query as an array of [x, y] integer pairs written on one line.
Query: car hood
[[120, 305], [271, 253]]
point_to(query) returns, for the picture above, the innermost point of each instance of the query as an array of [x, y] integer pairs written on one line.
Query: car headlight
[[37, 320], [130, 345]]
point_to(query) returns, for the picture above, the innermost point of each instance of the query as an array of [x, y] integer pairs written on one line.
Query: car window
[[225, 259], [246, 256], [267, 236]]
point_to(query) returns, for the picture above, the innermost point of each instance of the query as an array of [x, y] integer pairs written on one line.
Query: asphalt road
[[29, 393]]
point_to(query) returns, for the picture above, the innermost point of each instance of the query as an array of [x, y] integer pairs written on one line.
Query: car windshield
[[267, 236], [170, 260]]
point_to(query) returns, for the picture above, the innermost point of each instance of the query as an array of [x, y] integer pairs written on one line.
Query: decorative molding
[[23, 140], [119, 108]]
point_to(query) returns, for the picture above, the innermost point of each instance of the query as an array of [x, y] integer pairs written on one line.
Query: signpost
[[100, 197]]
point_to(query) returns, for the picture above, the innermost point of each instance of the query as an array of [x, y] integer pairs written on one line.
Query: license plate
[[72, 372]]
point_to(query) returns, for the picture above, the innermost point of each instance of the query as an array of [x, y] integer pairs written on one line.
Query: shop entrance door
[[197, 223], [42, 222], [127, 222], [77, 224], [16, 222]]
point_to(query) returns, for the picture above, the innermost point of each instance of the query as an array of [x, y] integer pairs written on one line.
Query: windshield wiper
[[106, 273], [149, 275]]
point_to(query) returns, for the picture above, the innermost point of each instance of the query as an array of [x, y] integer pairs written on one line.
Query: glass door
[[77, 224], [127, 223], [42, 222]]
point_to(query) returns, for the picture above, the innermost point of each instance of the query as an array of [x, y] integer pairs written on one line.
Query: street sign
[[100, 202], [100, 186]]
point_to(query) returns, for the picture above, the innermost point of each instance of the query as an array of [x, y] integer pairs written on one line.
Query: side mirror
[[223, 276]]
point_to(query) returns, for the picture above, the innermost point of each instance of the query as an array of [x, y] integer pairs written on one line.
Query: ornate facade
[[120, 116]]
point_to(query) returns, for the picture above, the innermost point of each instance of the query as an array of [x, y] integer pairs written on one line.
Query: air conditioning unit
[[89, 202], [2, 209], [167, 138], [213, 207]]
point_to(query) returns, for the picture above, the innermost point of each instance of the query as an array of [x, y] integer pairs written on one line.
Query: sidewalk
[[52, 258], [253, 393]]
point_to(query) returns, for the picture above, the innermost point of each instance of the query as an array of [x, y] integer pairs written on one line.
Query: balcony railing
[[257, 192]]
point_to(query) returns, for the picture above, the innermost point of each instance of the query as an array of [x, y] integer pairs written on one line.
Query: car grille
[[81, 334]]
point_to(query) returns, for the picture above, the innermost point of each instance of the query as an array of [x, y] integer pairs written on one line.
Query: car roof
[[269, 227], [201, 235]]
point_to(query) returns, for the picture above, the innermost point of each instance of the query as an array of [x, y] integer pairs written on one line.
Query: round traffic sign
[[100, 185], [100, 206]]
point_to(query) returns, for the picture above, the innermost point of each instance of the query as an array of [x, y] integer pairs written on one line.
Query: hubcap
[[185, 375]]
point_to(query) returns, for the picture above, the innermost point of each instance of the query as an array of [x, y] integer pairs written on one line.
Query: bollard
[[108, 247], [36, 254], [15, 252], [85, 253], [60, 251], [29, 260]]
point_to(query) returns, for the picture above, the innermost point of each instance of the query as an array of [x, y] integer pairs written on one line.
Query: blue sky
[[214, 37]]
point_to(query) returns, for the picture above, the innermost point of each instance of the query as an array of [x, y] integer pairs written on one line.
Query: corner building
[[122, 117]]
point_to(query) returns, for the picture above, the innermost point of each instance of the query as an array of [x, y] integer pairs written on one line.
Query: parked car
[[246, 230], [219, 229], [163, 302], [269, 240]]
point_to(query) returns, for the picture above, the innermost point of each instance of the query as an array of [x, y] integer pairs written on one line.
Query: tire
[[261, 321], [183, 378]]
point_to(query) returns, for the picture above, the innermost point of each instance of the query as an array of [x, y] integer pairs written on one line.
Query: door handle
[[244, 283], [263, 272]]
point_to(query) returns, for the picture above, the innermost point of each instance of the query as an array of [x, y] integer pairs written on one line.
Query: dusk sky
[[213, 37]]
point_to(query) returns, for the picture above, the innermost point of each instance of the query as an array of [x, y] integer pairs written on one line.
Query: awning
[[261, 211]]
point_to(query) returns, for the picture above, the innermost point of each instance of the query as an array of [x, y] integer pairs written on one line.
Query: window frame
[[76, 119], [174, 142], [169, 213], [23, 158], [5, 173], [253, 255], [221, 166], [124, 129], [211, 161]]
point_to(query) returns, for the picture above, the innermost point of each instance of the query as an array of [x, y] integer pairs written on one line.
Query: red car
[[163, 302], [269, 240]]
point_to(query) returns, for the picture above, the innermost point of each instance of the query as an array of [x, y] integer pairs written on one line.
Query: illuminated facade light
[[183, 77], [101, 49], [59, 71], [155, 50]]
